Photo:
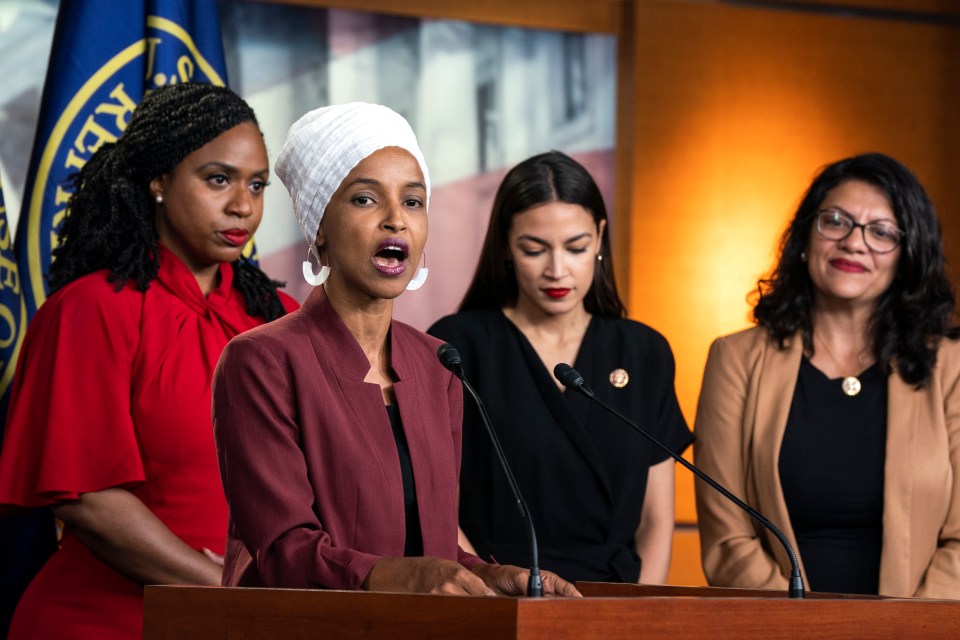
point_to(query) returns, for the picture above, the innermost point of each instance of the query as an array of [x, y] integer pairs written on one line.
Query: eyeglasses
[[880, 237]]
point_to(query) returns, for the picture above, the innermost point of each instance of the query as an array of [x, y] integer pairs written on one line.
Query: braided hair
[[110, 216]]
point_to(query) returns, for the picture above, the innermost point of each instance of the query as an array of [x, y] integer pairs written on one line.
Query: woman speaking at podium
[[600, 495], [338, 429], [838, 416]]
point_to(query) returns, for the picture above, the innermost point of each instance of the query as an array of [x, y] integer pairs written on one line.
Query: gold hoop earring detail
[[314, 279]]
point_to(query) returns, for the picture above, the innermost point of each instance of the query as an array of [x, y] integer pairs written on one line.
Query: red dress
[[112, 389]]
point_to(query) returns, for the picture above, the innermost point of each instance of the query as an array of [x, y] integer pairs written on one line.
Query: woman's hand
[[424, 575], [510, 580], [434, 575], [215, 557]]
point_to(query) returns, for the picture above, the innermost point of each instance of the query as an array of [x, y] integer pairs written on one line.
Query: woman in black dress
[[601, 496]]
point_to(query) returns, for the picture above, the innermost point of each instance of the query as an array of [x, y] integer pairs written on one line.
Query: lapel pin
[[619, 378]]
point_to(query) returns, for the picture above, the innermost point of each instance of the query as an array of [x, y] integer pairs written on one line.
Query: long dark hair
[[548, 177], [110, 216], [913, 314]]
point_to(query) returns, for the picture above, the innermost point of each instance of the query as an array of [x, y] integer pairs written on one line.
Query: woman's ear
[[600, 228], [321, 240], [157, 186]]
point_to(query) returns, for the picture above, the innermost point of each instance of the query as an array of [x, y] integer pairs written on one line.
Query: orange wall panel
[[685, 566]]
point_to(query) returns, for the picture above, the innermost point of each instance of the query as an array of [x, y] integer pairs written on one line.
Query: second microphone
[[586, 480]]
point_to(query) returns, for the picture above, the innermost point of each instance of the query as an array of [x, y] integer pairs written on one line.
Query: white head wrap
[[326, 144]]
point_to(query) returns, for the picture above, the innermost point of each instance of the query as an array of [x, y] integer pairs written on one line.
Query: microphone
[[571, 379], [450, 358]]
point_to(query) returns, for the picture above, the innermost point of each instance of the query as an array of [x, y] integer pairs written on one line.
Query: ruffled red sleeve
[[69, 428]]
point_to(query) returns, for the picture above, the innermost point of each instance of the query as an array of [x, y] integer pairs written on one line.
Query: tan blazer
[[747, 389]]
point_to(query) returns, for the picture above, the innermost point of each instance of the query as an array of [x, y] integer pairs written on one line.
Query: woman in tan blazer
[[838, 416]]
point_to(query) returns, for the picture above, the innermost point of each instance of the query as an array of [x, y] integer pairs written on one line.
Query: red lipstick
[[236, 237], [556, 293], [848, 266]]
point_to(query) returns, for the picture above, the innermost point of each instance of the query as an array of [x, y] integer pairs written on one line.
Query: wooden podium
[[608, 612]]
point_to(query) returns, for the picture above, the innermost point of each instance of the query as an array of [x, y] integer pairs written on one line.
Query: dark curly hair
[[912, 315], [110, 216], [544, 178]]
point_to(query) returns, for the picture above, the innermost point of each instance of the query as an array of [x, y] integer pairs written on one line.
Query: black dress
[[582, 472], [831, 471]]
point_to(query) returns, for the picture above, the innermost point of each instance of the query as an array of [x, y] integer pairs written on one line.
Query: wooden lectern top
[[608, 612]]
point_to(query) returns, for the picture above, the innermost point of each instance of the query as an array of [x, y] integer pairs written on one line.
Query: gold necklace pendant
[[851, 385]]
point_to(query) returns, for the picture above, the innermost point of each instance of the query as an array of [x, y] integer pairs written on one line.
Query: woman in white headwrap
[[338, 431]]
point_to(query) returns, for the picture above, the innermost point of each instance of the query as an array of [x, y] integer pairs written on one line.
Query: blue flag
[[13, 313], [106, 55], [26, 540]]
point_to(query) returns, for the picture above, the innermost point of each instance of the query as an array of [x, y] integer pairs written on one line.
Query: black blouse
[[831, 471], [582, 472], [413, 542]]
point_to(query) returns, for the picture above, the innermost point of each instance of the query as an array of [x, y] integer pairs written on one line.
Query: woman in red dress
[[109, 422]]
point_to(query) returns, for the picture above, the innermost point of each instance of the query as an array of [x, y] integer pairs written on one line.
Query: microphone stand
[[450, 358], [573, 380]]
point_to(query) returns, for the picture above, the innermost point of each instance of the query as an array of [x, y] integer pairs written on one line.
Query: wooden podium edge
[[293, 614], [621, 590]]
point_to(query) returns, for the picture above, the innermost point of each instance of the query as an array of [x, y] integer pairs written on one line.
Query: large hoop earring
[[314, 279], [420, 276]]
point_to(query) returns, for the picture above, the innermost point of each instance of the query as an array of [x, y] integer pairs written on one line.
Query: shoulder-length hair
[[912, 315], [544, 178]]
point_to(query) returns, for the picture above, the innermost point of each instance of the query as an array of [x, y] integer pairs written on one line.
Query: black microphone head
[[450, 358], [568, 376]]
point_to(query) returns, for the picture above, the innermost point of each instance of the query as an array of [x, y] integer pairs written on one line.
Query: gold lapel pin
[[619, 378]]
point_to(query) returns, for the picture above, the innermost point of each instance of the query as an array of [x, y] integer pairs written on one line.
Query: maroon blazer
[[308, 459]]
